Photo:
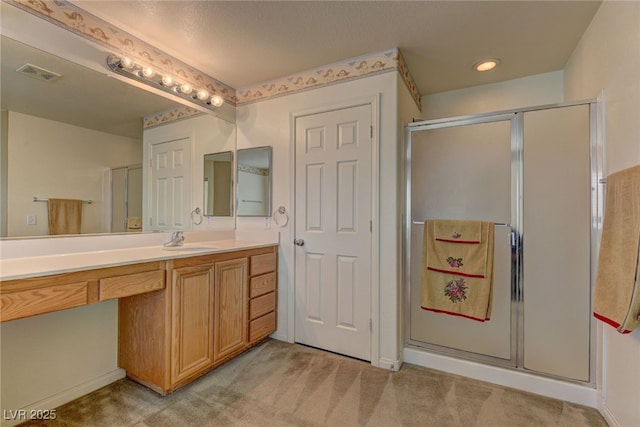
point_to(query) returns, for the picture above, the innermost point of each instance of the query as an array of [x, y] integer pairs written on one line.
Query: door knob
[[298, 242]]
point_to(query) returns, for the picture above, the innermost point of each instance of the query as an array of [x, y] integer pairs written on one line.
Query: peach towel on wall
[[457, 278], [65, 216], [617, 293]]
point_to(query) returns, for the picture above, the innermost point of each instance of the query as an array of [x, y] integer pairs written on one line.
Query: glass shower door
[[463, 170]]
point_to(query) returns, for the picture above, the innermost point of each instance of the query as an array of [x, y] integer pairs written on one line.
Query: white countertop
[[46, 265]]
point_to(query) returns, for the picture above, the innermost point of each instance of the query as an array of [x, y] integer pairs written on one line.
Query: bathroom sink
[[188, 248]]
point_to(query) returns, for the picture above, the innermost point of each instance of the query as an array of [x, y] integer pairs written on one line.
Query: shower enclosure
[[126, 199], [534, 173]]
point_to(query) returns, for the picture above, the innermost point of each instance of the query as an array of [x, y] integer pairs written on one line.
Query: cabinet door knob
[[298, 242]]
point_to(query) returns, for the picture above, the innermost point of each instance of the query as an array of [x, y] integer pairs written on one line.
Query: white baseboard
[[392, 365], [608, 415], [67, 395], [570, 392]]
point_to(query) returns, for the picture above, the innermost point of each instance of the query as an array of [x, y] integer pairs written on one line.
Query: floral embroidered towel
[[469, 260], [457, 231], [455, 294], [617, 293]]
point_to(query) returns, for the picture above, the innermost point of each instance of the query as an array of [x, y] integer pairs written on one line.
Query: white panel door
[[332, 218], [171, 185]]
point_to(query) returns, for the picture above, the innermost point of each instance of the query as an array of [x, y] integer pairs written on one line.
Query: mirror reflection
[[254, 181], [69, 137], [218, 184]]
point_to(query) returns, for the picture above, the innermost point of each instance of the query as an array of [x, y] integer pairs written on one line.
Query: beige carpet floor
[[281, 384]]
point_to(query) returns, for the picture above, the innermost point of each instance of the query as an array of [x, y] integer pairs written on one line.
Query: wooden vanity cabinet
[[192, 320], [28, 297], [200, 321], [230, 308]]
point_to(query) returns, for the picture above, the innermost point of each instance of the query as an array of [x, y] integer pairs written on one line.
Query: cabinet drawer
[[262, 305], [262, 285], [15, 305], [131, 284], [263, 264], [262, 326]]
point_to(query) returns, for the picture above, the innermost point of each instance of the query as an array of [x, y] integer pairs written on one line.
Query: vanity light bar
[[124, 66]]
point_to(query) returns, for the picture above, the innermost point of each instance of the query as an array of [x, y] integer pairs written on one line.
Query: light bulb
[[202, 94], [167, 80], [126, 62], [186, 88], [217, 100], [486, 65], [148, 72]]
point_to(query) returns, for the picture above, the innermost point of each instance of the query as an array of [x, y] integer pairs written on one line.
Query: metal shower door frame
[[515, 120], [597, 159]]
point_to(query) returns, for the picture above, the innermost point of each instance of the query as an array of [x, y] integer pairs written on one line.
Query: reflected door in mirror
[[218, 184]]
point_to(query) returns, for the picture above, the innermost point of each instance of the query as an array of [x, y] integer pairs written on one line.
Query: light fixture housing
[[124, 66], [486, 64]]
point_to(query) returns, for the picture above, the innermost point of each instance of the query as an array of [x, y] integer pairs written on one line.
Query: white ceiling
[[242, 43]]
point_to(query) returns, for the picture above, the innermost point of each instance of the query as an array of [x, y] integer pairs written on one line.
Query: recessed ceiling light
[[486, 64]]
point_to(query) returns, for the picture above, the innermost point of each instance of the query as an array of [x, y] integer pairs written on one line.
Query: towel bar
[[36, 199], [497, 224]]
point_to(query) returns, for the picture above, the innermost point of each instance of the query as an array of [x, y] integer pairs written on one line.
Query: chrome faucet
[[177, 239]]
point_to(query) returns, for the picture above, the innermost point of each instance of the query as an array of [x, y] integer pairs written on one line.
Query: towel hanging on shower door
[[457, 278]]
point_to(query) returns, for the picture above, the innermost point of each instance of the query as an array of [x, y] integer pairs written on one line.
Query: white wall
[[4, 136], [53, 159], [270, 122], [50, 359], [407, 112], [608, 58], [529, 91]]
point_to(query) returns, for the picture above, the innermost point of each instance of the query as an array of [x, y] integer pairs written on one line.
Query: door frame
[[374, 102]]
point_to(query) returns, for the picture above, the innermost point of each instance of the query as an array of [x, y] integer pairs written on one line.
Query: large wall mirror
[[65, 136], [218, 184], [70, 137], [253, 183]]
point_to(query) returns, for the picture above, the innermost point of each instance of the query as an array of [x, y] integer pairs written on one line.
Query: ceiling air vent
[[38, 73]]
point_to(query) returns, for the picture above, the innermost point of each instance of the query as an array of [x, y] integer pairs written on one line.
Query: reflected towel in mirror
[[65, 216]]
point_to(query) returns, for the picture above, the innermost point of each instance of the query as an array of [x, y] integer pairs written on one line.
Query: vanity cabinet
[[178, 318], [230, 308], [192, 320], [262, 296], [215, 307], [21, 298]]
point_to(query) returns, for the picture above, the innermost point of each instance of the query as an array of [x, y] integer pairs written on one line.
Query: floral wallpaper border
[[354, 68], [163, 117], [252, 170], [72, 18]]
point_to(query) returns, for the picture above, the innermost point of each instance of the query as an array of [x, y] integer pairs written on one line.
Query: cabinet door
[[193, 320], [230, 307]]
